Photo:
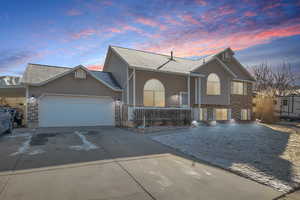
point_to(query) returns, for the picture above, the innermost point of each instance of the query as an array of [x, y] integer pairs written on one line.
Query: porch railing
[[161, 116]]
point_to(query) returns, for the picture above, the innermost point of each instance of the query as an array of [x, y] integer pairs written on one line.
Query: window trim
[[219, 84]]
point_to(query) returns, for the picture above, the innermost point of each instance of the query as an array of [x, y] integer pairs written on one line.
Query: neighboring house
[[134, 82], [288, 107]]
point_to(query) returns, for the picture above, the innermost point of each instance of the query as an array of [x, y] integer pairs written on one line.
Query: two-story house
[[217, 87]]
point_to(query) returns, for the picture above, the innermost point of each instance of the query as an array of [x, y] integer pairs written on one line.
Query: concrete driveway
[[110, 163]]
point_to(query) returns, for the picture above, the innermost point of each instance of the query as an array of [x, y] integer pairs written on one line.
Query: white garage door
[[58, 111]]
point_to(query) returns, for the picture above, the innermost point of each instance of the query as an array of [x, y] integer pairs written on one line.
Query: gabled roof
[[164, 63], [36, 74], [153, 61], [10, 82]]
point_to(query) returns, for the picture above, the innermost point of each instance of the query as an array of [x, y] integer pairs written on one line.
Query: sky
[[73, 32]]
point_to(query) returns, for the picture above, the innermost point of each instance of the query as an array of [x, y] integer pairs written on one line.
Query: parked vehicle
[[288, 107], [6, 124]]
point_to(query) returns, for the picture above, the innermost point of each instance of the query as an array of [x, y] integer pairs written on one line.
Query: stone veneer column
[[32, 115]]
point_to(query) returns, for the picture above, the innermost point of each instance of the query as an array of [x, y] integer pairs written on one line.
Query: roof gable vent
[[80, 74]]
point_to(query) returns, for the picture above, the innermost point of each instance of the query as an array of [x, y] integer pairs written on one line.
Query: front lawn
[[258, 152]]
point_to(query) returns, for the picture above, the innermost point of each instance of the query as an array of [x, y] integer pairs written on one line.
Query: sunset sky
[[73, 32]]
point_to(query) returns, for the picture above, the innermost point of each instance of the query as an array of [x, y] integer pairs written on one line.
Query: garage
[[65, 111]]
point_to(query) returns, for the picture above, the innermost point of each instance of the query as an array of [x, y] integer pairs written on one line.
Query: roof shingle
[[37, 74]]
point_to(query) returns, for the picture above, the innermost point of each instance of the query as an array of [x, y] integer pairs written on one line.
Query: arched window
[[154, 93], [213, 84]]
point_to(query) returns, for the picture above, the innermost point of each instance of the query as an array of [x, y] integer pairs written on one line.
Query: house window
[[285, 102], [80, 74], [245, 114], [239, 88], [154, 93], [183, 99], [213, 84], [221, 114]]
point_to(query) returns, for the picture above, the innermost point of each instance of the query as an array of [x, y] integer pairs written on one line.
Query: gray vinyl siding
[[225, 78], [69, 85], [173, 84], [118, 68]]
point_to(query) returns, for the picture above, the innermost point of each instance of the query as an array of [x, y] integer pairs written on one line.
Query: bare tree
[[272, 82]]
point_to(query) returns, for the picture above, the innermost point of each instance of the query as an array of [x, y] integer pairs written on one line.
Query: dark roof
[[107, 77]]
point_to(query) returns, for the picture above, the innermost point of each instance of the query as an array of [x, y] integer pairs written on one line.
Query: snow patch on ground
[[36, 151], [86, 145], [254, 151], [24, 147], [19, 135]]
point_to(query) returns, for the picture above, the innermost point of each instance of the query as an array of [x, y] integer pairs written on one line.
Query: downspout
[[26, 104], [133, 87], [293, 104], [189, 88]]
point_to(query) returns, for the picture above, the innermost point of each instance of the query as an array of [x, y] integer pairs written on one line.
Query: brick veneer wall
[[238, 102], [32, 115]]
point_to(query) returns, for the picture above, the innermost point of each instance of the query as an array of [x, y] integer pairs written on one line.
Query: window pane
[[221, 114], [213, 85], [184, 98], [154, 93], [159, 99], [237, 88], [148, 98], [245, 88], [244, 114]]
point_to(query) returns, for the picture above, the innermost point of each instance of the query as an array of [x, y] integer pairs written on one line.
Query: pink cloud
[[123, 28], [83, 33], [172, 21], [107, 3], [213, 14], [95, 67], [190, 19], [150, 22], [201, 43], [201, 2], [74, 12], [225, 10], [249, 14], [273, 4]]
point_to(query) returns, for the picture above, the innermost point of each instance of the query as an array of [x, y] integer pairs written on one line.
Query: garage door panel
[[57, 111]]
